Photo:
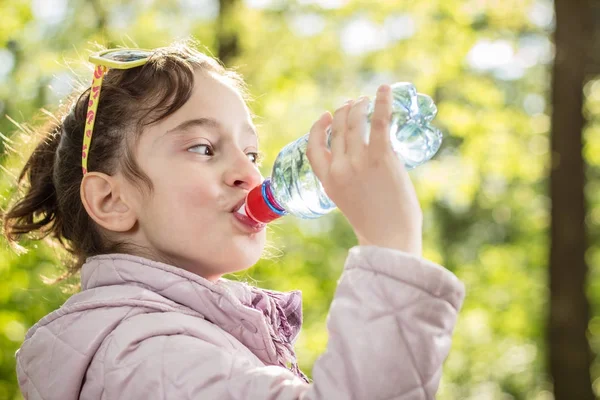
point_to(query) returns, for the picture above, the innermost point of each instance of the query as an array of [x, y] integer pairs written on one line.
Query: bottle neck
[[261, 206]]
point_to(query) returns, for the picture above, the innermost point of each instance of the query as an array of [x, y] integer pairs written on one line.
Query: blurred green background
[[486, 63]]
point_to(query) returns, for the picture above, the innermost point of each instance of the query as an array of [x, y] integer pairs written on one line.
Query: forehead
[[218, 97], [214, 100]]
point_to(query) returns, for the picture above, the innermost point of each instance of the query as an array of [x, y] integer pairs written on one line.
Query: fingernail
[[383, 89], [363, 99]]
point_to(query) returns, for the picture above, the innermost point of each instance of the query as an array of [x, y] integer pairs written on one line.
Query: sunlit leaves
[[484, 196]]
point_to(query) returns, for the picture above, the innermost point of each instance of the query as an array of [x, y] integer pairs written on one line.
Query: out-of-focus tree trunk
[[101, 18], [227, 34], [569, 351]]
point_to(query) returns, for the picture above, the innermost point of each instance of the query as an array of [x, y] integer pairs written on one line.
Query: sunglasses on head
[[117, 59]]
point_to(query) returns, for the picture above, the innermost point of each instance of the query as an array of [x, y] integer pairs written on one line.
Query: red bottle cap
[[257, 207]]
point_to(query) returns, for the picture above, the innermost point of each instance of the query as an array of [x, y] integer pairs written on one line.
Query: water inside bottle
[[296, 188]]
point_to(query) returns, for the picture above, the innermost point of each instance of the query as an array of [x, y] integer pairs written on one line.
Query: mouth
[[248, 223], [238, 205]]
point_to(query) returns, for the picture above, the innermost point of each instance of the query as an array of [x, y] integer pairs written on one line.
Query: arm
[[390, 327]]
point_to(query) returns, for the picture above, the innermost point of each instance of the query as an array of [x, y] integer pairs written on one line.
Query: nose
[[243, 173]]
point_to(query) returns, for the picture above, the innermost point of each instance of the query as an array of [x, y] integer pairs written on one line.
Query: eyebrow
[[203, 122]]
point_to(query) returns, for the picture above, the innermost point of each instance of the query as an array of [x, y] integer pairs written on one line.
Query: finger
[[338, 130], [316, 149], [356, 132], [379, 140]]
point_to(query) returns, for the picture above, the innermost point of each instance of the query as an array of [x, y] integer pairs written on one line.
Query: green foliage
[[484, 195]]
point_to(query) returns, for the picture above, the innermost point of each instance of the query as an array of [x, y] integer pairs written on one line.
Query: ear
[[103, 198]]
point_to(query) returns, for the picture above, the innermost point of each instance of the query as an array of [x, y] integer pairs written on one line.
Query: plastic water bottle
[[294, 188]]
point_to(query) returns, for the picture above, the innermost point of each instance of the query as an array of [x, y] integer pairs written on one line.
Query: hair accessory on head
[[114, 58]]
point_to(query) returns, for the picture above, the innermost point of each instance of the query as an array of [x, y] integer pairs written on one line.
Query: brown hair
[[129, 100]]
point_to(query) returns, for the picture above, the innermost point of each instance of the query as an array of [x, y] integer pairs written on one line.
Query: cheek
[[182, 198], [195, 197]]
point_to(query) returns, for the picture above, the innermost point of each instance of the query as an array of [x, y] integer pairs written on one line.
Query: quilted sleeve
[[390, 326]]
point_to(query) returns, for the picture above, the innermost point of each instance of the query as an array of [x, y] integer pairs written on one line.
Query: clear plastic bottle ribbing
[[296, 189]]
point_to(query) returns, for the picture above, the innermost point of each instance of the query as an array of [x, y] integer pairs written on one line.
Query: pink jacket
[[141, 329]]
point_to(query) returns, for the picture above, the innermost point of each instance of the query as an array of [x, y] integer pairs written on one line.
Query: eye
[[257, 157], [207, 152]]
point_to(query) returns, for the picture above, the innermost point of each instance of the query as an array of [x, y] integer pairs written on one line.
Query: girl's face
[[201, 161]]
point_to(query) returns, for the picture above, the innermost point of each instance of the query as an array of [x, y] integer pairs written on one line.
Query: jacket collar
[[265, 321]]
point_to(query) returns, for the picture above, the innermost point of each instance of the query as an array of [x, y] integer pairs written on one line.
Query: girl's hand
[[367, 182]]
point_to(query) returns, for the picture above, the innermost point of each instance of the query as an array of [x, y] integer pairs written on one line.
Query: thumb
[[316, 149]]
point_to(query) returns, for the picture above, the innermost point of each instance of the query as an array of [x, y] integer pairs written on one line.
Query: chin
[[247, 254], [250, 257]]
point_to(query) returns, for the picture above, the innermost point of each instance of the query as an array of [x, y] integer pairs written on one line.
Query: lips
[[238, 205], [248, 223]]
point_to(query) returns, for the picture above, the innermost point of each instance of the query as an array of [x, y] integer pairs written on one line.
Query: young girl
[[141, 179]]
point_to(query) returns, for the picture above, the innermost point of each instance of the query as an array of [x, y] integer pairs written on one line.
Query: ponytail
[[38, 209]]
